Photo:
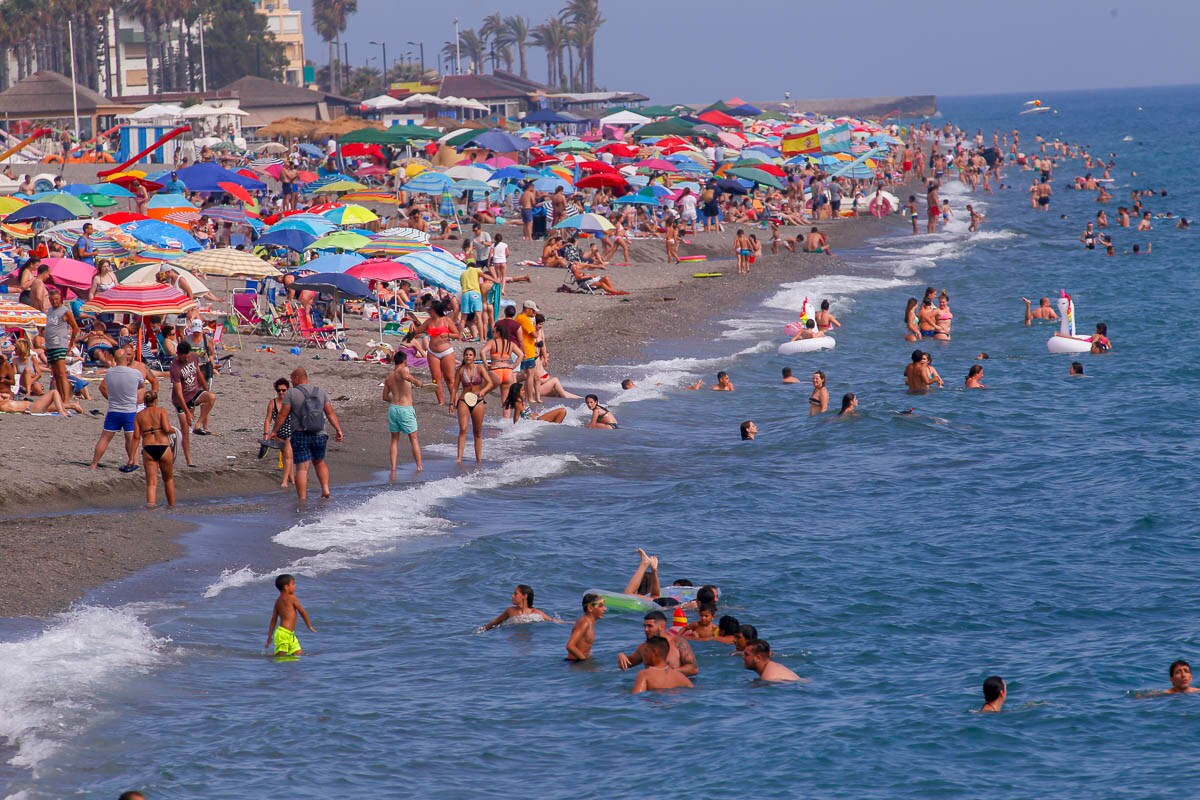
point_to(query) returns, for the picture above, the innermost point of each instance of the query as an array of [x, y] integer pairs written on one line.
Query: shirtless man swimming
[[680, 655], [1043, 311], [657, 674], [583, 634], [757, 656]]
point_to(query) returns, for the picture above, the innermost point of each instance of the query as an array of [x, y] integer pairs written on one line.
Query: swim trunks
[[929, 334], [119, 421], [528, 364], [56, 354], [526, 215], [286, 643], [402, 419], [472, 303], [308, 446]]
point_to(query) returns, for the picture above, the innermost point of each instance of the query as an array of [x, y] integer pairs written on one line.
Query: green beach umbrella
[[340, 240]]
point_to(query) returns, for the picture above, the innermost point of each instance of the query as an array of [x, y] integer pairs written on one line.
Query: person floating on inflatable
[[1065, 340], [806, 337]]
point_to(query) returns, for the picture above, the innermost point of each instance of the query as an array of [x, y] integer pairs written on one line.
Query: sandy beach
[[69, 528]]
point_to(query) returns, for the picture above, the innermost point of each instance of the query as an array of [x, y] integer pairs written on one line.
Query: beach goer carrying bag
[[310, 417]]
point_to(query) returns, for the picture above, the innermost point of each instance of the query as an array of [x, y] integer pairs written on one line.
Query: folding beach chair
[[245, 312], [322, 337]]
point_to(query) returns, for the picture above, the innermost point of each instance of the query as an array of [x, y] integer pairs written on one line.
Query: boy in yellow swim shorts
[[282, 638]]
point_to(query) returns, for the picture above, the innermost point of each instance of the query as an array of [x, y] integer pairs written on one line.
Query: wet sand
[[65, 529]]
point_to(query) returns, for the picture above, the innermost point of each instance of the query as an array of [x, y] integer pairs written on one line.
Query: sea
[[1043, 529]]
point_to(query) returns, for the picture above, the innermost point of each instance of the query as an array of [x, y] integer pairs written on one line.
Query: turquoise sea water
[[1043, 529]]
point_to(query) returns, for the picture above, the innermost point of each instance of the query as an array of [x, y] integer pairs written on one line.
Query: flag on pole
[[801, 142], [836, 140]]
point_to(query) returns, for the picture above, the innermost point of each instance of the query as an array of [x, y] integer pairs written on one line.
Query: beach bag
[[310, 416]]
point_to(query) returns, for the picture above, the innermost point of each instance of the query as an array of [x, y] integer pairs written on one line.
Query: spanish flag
[[802, 142]]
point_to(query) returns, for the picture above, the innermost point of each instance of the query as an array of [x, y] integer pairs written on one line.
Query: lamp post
[[422, 46], [386, 82], [457, 49]]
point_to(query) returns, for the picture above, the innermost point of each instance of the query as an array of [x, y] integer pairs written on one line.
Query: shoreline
[[87, 530]]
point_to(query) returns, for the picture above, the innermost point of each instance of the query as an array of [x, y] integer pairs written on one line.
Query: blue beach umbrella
[[334, 282], [109, 190], [291, 238], [169, 201], [35, 211], [333, 262], [160, 234], [462, 187], [313, 224], [500, 141], [552, 182], [429, 183], [515, 172], [638, 199], [435, 267]]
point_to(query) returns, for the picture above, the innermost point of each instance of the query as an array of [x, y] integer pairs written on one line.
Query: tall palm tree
[[474, 48], [516, 33], [585, 18], [329, 18], [545, 36]]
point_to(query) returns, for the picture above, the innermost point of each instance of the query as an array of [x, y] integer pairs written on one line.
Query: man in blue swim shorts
[[402, 419]]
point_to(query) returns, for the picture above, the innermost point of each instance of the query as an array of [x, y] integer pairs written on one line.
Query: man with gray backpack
[[307, 407]]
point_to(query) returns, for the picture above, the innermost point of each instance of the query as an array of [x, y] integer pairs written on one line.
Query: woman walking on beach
[[285, 432], [502, 357], [440, 329], [471, 384], [152, 428]]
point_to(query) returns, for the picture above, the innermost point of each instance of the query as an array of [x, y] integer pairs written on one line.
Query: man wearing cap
[[528, 322], [176, 186], [680, 657]]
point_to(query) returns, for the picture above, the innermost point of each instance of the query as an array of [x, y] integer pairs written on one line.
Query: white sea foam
[[343, 539], [837, 288], [50, 683]]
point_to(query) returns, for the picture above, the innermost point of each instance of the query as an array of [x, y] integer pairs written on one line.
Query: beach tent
[[719, 119], [671, 126], [546, 116], [625, 118]]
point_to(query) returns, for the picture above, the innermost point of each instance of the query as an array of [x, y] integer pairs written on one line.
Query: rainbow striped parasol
[[18, 314], [156, 299]]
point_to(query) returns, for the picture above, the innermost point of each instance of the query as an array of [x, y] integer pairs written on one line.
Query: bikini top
[[439, 330], [475, 380]]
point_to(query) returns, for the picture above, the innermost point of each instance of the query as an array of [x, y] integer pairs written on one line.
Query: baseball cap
[[532, 305]]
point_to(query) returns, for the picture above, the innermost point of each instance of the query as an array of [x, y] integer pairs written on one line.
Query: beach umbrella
[[405, 232], [349, 215], [11, 204], [340, 186], [469, 172], [513, 173], [394, 246], [385, 198], [313, 224], [43, 211], [732, 186], [147, 274], [500, 142], [18, 315], [103, 243], [290, 238], [464, 186], [429, 183], [757, 176], [97, 201], [182, 217], [70, 273], [499, 162], [169, 201], [126, 180], [340, 240], [333, 262], [338, 282], [236, 190], [656, 165], [550, 183], [590, 223], [109, 190], [436, 267], [572, 145], [638, 199], [227, 261], [600, 180], [160, 234], [379, 269], [153, 300], [121, 217]]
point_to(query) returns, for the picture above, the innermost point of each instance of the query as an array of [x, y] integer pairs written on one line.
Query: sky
[[701, 50]]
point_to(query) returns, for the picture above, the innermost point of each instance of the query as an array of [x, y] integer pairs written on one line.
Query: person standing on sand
[[61, 332], [152, 428], [308, 408], [189, 388], [402, 419], [583, 634], [124, 388], [281, 637], [741, 249], [527, 202]]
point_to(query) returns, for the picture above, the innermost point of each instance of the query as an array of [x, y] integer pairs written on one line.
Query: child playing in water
[[583, 635], [522, 598], [656, 675], [287, 606], [703, 629]]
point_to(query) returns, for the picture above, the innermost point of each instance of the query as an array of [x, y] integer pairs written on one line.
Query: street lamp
[[422, 46], [386, 82]]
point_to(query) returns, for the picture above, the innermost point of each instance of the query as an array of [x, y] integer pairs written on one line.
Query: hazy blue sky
[[703, 49]]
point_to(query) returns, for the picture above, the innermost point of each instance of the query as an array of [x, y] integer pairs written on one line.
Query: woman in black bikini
[[818, 401], [471, 384], [602, 418], [152, 427]]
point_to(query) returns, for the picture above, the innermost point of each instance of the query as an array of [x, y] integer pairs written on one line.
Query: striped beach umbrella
[[591, 223], [156, 299], [435, 267], [183, 217], [382, 198], [339, 186], [228, 261], [349, 215], [19, 315], [404, 232], [11, 204], [394, 246]]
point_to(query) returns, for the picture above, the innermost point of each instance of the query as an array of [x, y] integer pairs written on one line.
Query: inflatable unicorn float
[[805, 345], [1066, 340]]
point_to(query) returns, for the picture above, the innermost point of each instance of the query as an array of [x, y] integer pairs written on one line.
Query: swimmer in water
[[746, 633], [602, 418], [679, 656], [975, 377], [657, 674], [818, 401], [916, 377], [826, 321], [1044, 311], [281, 637], [757, 657], [727, 628], [849, 405], [995, 692], [522, 598], [749, 430], [703, 629], [628, 384], [1181, 678], [788, 377], [723, 384], [1076, 369], [583, 634]]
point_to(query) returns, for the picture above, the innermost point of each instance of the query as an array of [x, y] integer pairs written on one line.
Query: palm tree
[[516, 33], [329, 18], [584, 16], [473, 48], [545, 37]]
